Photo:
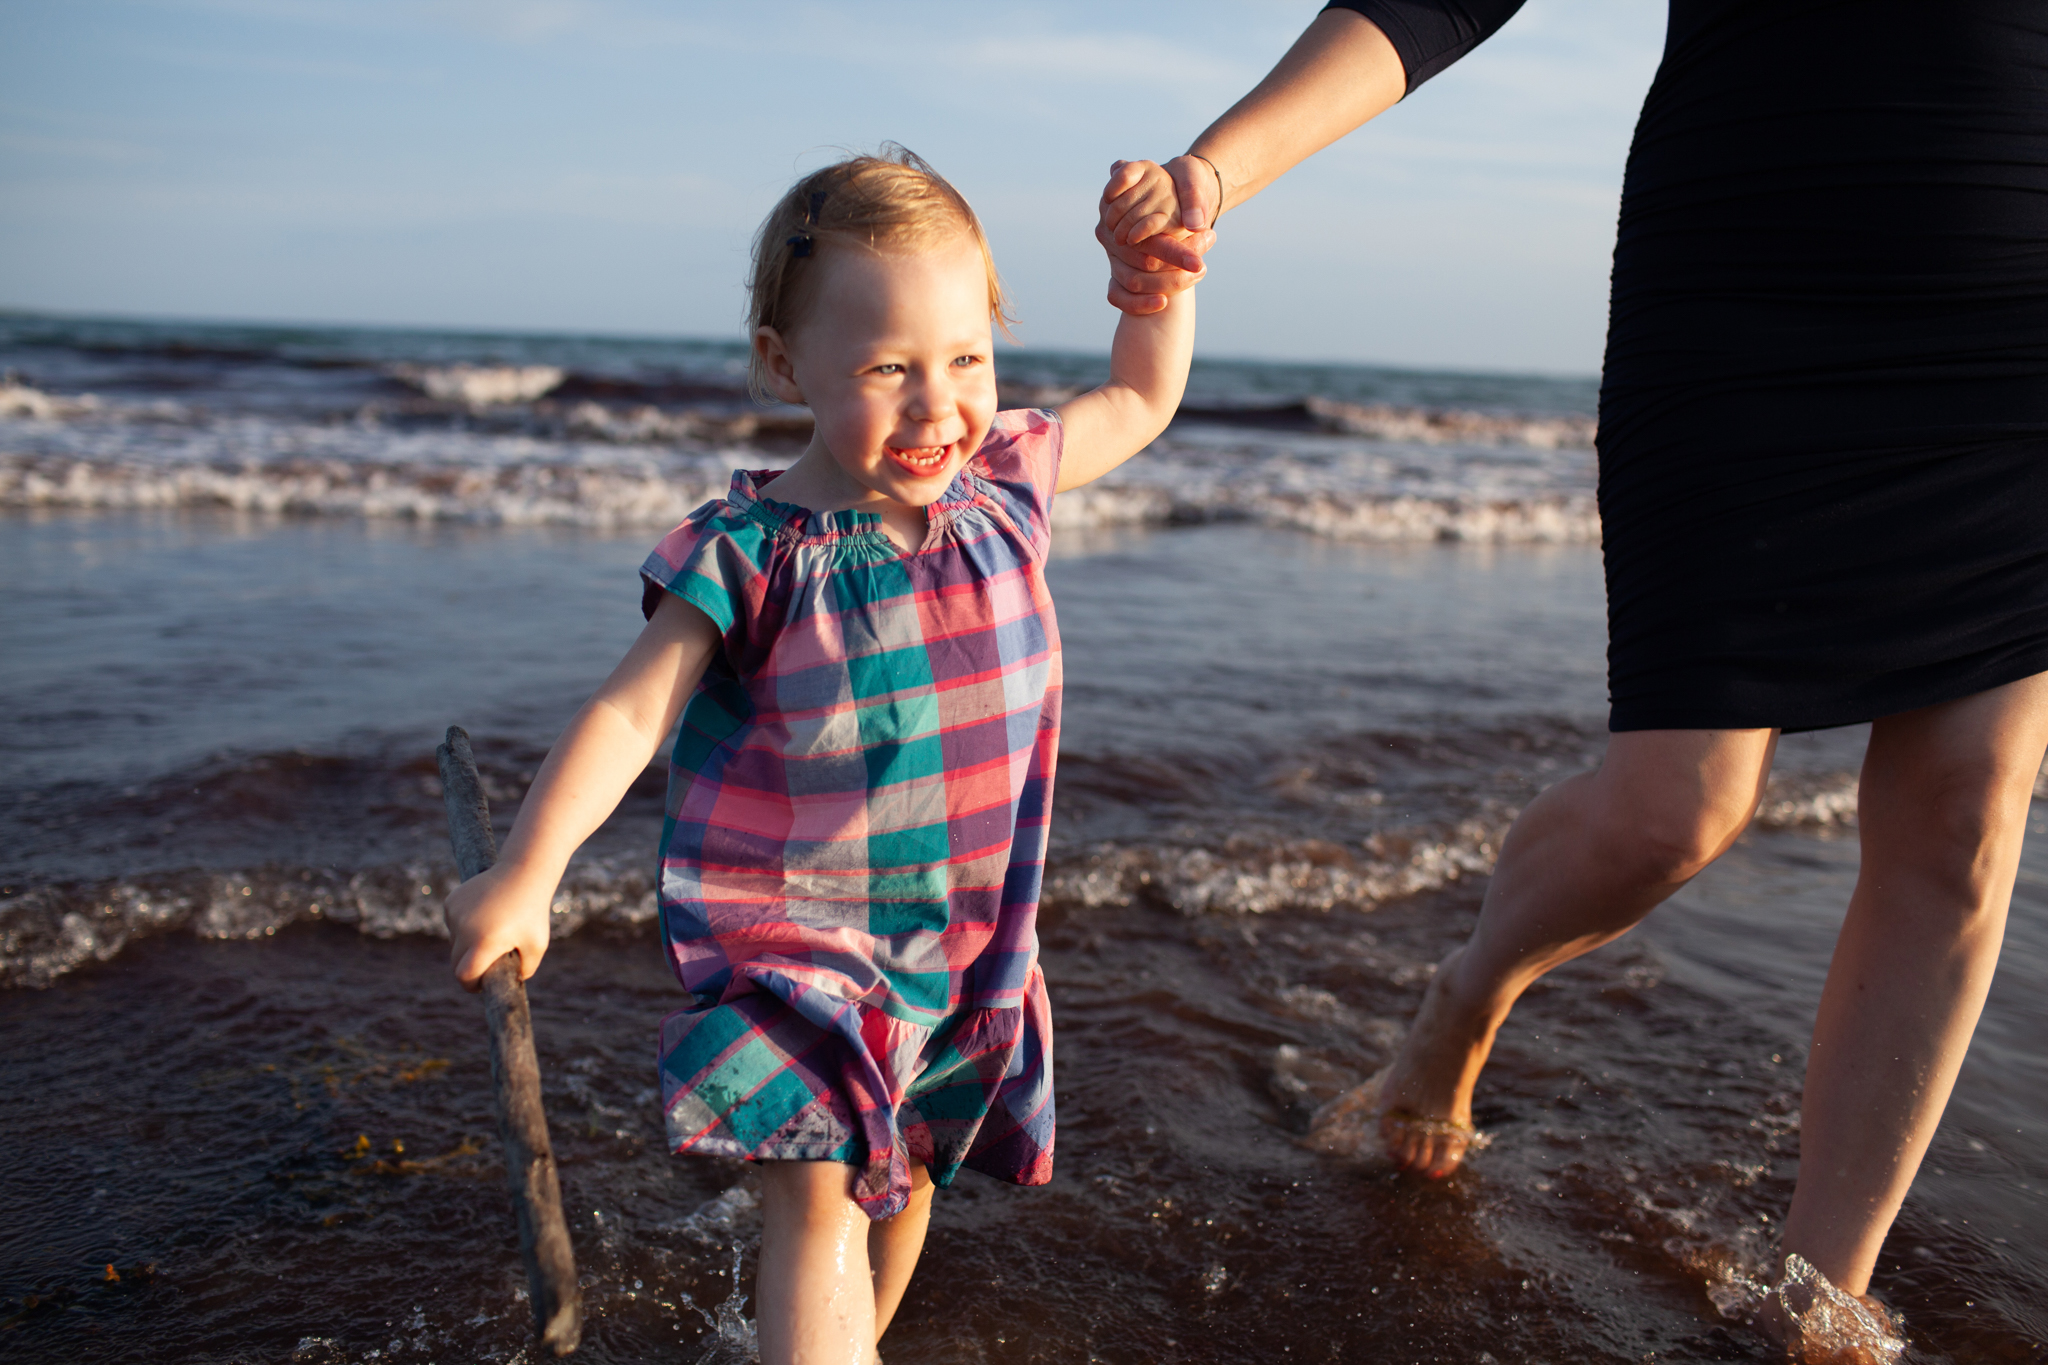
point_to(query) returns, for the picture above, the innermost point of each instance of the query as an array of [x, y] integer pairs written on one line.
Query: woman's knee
[[1666, 812], [1672, 846], [1956, 823]]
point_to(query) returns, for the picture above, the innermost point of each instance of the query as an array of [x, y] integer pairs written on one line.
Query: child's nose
[[933, 400]]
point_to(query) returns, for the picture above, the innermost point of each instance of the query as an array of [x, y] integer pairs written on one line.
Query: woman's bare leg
[[1582, 865], [1941, 815], [816, 1302], [894, 1245]]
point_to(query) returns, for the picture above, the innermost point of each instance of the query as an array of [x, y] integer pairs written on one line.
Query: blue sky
[[600, 164]]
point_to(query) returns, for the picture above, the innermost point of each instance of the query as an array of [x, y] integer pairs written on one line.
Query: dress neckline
[[801, 524]]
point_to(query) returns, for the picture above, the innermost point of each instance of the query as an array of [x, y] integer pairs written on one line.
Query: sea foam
[[488, 448]]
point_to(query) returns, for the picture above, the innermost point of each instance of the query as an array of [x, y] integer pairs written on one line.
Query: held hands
[[498, 911], [1156, 224]]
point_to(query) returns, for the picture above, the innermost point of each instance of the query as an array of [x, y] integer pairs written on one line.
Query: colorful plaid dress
[[856, 830]]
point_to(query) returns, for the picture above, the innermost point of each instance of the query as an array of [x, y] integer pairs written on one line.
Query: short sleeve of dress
[[706, 562], [1019, 466], [1430, 35]]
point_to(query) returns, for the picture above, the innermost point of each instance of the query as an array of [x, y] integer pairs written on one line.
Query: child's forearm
[[586, 774], [606, 745], [609, 741], [1148, 371], [1148, 365], [505, 909]]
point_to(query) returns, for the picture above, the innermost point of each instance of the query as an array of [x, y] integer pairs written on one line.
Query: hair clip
[[800, 245]]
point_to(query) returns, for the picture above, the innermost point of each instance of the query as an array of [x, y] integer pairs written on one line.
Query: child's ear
[[776, 364]]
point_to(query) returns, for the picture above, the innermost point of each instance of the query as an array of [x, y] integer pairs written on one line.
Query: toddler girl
[[864, 656]]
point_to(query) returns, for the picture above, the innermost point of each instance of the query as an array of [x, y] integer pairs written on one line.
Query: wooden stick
[[515, 1076]]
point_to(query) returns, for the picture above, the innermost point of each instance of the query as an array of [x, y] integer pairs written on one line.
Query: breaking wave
[[485, 444], [512, 495], [481, 386], [48, 931]]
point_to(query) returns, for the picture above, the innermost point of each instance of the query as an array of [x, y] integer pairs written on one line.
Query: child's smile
[[922, 459], [895, 359]]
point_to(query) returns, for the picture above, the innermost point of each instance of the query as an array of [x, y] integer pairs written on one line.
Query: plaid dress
[[856, 830]]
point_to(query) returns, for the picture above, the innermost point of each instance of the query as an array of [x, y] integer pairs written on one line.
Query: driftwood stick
[[515, 1077]]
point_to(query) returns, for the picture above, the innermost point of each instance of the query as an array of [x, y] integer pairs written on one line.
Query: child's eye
[[965, 360], [890, 368]]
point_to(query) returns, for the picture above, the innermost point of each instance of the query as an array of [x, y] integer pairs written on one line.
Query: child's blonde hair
[[891, 200]]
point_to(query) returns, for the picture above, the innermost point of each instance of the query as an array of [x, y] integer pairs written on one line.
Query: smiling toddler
[[864, 657]]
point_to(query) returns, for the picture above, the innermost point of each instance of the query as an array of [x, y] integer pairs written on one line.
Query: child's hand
[[1140, 201], [498, 911], [1143, 223]]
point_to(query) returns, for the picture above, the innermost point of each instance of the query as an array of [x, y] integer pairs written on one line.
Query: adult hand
[[1156, 224]]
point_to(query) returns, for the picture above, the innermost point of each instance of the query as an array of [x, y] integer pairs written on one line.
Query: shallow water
[[218, 780], [222, 1123], [1322, 642]]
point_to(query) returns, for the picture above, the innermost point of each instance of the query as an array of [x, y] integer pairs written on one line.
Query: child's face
[[896, 361]]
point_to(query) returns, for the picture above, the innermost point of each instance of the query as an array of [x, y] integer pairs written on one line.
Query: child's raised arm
[[607, 744], [1148, 370]]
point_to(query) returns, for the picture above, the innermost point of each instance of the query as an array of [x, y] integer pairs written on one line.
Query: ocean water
[[1322, 643]]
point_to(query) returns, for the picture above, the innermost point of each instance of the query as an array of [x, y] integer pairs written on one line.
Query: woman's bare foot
[[1425, 1097]]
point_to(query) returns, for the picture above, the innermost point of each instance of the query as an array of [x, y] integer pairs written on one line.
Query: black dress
[[1824, 410]]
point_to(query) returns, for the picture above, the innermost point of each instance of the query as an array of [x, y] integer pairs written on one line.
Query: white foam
[[1429, 426], [49, 931], [19, 400], [594, 465], [1259, 878], [524, 495], [480, 386], [1815, 804]]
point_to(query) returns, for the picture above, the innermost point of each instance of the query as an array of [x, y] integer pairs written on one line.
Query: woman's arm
[[607, 744], [1343, 71]]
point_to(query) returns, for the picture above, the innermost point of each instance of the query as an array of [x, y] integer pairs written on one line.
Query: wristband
[[1219, 178]]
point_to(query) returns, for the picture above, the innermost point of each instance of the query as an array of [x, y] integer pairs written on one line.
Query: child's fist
[[493, 914], [1153, 221]]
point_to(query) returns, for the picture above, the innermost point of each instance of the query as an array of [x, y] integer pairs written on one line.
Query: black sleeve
[[1431, 34]]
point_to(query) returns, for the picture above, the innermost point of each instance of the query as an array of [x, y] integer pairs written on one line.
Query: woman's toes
[[1399, 1142]]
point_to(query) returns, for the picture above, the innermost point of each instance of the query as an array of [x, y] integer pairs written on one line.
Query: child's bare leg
[[816, 1305], [1942, 813], [1582, 865], [893, 1247]]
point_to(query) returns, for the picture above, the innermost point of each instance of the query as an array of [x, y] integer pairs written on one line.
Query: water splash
[[1830, 1327], [731, 1339], [1822, 1324]]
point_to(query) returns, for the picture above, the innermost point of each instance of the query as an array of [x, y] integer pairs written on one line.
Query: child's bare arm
[[607, 744], [1148, 370]]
